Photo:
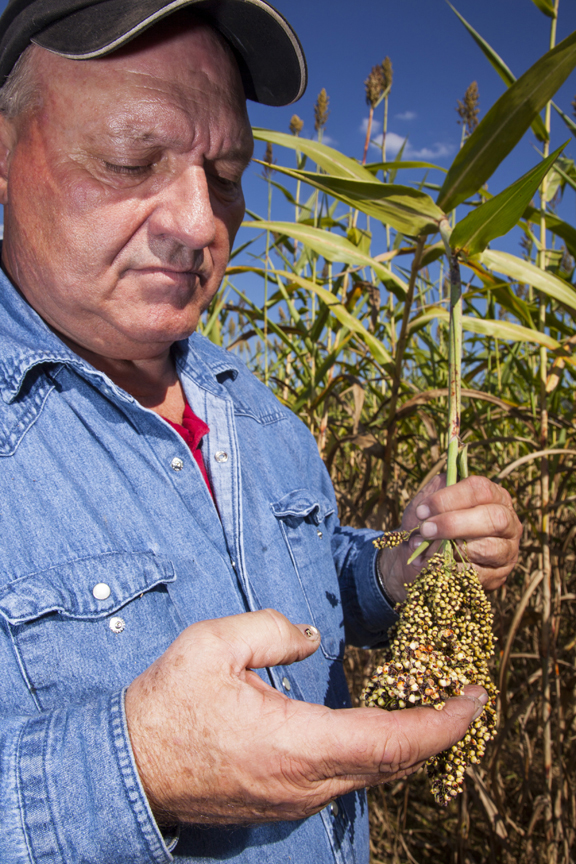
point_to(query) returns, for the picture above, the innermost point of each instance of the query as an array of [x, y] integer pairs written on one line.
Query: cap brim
[[269, 54]]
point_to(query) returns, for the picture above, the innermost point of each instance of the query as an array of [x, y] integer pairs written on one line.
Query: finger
[[492, 553], [472, 492], [371, 742], [486, 520], [258, 639]]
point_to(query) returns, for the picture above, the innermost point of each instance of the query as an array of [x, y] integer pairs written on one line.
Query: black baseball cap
[[269, 54]]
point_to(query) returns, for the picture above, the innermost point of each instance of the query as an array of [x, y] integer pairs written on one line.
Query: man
[[148, 583]]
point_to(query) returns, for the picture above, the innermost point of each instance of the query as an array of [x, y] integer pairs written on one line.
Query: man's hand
[[475, 510], [215, 744]]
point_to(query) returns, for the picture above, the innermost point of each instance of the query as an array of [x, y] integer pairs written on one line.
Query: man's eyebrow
[[136, 136]]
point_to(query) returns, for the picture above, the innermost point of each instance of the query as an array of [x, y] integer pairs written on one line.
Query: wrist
[[382, 573]]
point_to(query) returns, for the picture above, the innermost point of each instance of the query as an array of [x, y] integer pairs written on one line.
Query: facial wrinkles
[[110, 225]]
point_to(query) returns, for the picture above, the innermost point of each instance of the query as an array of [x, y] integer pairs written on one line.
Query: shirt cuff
[[80, 794], [377, 613]]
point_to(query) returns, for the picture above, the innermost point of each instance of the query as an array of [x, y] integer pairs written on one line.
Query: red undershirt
[[192, 431]]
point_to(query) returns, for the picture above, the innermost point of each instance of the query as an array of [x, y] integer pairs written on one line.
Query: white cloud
[[407, 115], [394, 142], [330, 142], [376, 126]]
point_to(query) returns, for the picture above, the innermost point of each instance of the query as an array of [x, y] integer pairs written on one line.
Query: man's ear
[[8, 138]]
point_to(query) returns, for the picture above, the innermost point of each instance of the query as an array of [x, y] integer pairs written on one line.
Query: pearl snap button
[[333, 807], [286, 684], [177, 464], [101, 591], [221, 456], [117, 625], [319, 533]]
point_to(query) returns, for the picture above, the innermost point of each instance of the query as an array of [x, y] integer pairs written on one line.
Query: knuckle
[[499, 520], [482, 488], [276, 620]]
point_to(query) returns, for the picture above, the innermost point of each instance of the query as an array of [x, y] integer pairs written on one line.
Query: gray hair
[[20, 93]]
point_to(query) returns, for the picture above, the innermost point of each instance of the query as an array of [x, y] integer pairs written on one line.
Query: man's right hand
[[215, 744]]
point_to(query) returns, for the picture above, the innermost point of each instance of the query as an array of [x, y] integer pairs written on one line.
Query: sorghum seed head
[[321, 110], [296, 125], [441, 642]]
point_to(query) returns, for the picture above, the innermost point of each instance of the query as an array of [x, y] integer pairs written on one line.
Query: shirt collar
[[26, 341]]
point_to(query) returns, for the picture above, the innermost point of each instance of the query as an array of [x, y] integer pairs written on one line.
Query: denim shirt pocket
[[91, 625], [305, 520]]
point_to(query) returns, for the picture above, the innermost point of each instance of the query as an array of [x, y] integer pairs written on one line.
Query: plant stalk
[[454, 359], [546, 563], [398, 361]]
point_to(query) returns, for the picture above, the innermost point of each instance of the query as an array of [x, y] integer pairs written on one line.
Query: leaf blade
[[524, 272], [506, 330], [505, 124], [340, 312], [331, 246], [332, 161], [497, 216], [502, 69], [408, 210]]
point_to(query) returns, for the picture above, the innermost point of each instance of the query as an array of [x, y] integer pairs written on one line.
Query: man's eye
[[228, 188], [130, 170]]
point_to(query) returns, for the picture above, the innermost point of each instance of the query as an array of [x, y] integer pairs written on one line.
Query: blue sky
[[434, 59]]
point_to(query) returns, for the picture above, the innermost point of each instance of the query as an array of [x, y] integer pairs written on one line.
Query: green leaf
[[332, 161], [546, 7], [497, 216], [505, 124], [376, 348], [408, 210], [562, 229], [331, 246], [502, 69], [373, 167], [564, 174], [507, 330], [487, 327], [526, 273], [567, 120]]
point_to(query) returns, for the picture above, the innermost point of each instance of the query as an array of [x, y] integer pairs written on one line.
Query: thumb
[[368, 741], [265, 638]]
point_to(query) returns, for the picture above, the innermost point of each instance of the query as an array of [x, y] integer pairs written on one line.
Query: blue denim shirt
[[89, 495]]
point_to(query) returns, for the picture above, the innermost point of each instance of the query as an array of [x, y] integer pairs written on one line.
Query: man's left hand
[[476, 511]]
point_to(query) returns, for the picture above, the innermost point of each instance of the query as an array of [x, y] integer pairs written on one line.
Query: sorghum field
[[354, 335]]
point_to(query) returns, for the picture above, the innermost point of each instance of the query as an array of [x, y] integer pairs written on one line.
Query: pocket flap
[[68, 588], [302, 503]]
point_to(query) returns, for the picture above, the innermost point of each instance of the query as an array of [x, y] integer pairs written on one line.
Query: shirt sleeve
[[70, 790], [368, 615]]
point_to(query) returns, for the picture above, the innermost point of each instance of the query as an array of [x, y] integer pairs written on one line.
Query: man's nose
[[183, 210]]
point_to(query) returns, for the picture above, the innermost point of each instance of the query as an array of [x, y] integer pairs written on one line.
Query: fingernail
[[480, 701], [312, 632], [414, 542], [478, 711], [422, 511], [428, 529]]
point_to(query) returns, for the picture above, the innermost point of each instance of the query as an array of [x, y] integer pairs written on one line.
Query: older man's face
[[123, 191]]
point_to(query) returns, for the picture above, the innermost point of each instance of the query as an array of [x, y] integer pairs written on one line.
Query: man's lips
[[173, 271], [175, 277]]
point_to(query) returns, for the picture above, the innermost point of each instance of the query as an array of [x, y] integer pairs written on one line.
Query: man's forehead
[[188, 69], [169, 55], [158, 94]]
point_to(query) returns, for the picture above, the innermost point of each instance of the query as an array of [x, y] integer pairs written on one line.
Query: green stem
[[398, 361], [545, 556], [454, 359], [266, 287], [384, 133]]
